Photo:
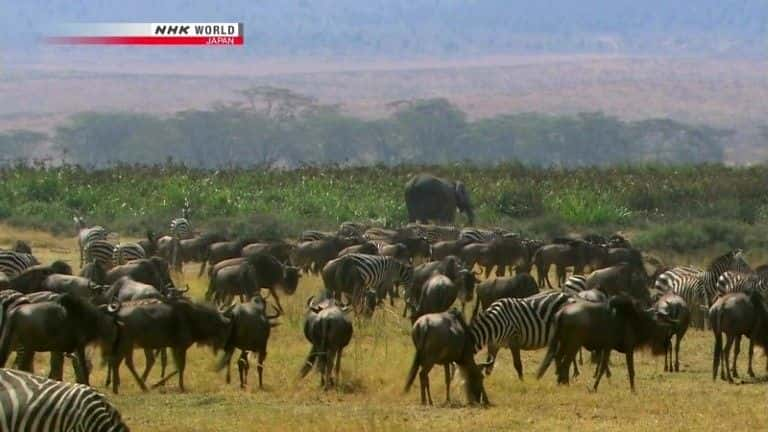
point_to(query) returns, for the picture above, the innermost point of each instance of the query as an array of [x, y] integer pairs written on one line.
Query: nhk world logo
[[202, 34]]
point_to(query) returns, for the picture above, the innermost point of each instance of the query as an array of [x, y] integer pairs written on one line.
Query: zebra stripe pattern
[[522, 322], [125, 252], [181, 228], [314, 235], [731, 282], [31, 403], [12, 263], [376, 270], [478, 235], [100, 252], [352, 229], [575, 284], [434, 233], [667, 281]]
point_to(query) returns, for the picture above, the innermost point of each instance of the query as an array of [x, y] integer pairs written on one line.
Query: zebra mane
[[731, 260]]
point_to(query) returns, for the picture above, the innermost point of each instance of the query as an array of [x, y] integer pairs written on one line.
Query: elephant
[[429, 198]]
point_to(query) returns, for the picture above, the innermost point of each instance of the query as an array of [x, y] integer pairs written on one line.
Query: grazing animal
[[86, 235], [75, 285], [621, 325], [12, 263], [152, 271], [94, 272], [368, 248], [451, 265], [328, 330], [430, 198], [221, 251], [434, 233], [181, 228], [519, 324], [443, 249], [66, 324], [313, 235], [731, 281], [737, 314], [438, 295], [100, 252], [356, 274], [149, 244], [31, 279], [519, 286], [479, 235], [21, 246], [36, 404], [251, 325], [246, 276], [444, 338], [176, 324], [312, 256], [124, 252], [280, 250], [675, 307]]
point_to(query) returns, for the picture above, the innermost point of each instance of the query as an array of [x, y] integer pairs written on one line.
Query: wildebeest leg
[[726, 358], [328, 369], [601, 366], [576, 366], [115, 361], [132, 369], [517, 361], [424, 379], [309, 363], [81, 368], [750, 372], [736, 351], [243, 366], [57, 366], [277, 299], [338, 366], [546, 276], [259, 367], [163, 361], [25, 360], [226, 361], [180, 359], [447, 369], [150, 362], [630, 355]]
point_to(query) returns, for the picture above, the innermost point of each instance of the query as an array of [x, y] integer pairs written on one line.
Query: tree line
[[277, 127]]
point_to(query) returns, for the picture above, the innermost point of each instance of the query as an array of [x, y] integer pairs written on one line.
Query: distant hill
[[428, 27]]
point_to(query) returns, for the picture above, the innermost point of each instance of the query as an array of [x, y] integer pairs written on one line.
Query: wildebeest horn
[[309, 300], [276, 315], [114, 306], [186, 288]]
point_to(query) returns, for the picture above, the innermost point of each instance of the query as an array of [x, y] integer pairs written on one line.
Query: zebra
[[732, 281], [100, 252], [181, 228], [434, 233], [575, 284], [32, 403], [667, 281], [124, 252], [86, 235], [314, 235], [479, 235], [13, 263], [518, 323], [352, 229], [379, 274]]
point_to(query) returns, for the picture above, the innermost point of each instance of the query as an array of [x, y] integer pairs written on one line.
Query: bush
[[684, 237], [585, 207]]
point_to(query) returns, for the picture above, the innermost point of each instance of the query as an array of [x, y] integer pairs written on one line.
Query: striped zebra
[[352, 229], [31, 403], [731, 281], [86, 235], [124, 252], [479, 235], [667, 281], [575, 285], [314, 235], [518, 323], [12, 263], [181, 228], [100, 252], [377, 273], [433, 233]]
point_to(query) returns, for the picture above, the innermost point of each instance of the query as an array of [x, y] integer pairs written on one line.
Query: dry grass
[[374, 368]]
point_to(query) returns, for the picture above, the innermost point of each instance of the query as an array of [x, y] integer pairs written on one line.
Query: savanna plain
[[374, 369]]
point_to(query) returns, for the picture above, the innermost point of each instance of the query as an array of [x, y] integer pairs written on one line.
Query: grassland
[[373, 373]]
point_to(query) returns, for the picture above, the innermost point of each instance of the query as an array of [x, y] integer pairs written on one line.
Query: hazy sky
[[431, 27]]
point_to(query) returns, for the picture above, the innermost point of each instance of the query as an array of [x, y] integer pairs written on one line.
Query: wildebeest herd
[[124, 297]]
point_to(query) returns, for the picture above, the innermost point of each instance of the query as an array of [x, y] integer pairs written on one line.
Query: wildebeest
[[152, 271], [278, 249], [443, 338], [423, 272], [251, 326], [75, 285], [178, 251], [368, 247], [149, 244], [95, 272], [737, 314], [246, 276], [220, 251], [673, 306], [176, 324], [566, 253], [329, 331], [66, 325], [624, 278], [312, 256], [31, 279], [621, 325], [443, 249], [519, 286]]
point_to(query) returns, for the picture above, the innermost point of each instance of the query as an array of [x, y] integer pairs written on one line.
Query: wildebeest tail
[[419, 344], [554, 345]]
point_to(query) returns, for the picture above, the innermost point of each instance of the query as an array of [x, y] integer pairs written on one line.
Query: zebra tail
[[553, 346], [419, 342]]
